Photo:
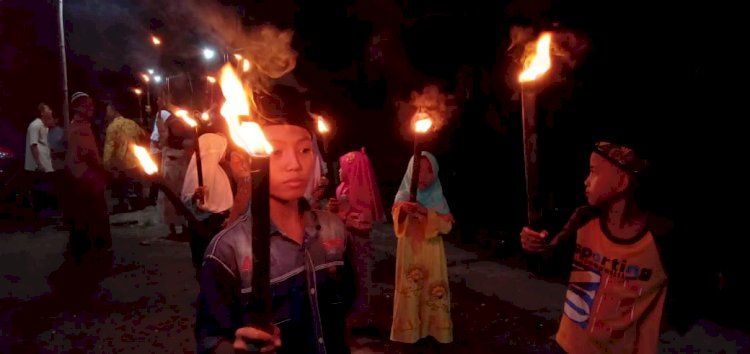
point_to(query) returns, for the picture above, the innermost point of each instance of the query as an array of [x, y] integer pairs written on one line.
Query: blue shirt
[[312, 285]]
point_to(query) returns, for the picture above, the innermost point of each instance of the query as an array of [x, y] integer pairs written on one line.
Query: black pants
[[41, 188]]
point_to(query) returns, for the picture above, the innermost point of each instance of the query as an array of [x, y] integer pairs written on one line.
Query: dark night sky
[[644, 75]]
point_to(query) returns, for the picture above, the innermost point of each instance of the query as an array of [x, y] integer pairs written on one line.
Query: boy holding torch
[[623, 265], [312, 283]]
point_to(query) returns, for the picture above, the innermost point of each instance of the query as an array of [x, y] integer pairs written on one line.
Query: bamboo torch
[[197, 148], [249, 136], [535, 66], [149, 167]]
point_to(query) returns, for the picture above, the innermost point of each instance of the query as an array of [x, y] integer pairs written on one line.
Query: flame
[[423, 123], [155, 40], [255, 142], [245, 66], [205, 116], [211, 79], [145, 78], [181, 113], [238, 56], [538, 63], [144, 159], [322, 125], [237, 103], [137, 91], [247, 135]]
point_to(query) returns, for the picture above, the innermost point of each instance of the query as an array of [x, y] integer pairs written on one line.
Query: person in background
[[175, 143], [122, 133], [422, 301], [38, 163], [87, 182], [212, 202], [359, 205]]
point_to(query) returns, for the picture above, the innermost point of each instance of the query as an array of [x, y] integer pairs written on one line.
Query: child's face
[[426, 174], [605, 181], [292, 161]]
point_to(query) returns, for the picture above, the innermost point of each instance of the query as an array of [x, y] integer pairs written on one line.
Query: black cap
[[283, 105]]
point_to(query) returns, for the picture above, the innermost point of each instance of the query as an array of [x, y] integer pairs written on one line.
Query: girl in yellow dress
[[421, 305]]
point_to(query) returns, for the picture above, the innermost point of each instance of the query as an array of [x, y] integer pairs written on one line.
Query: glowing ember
[[145, 78], [245, 66], [322, 125], [145, 160], [205, 116], [137, 91], [155, 40], [538, 63], [190, 121], [423, 123]]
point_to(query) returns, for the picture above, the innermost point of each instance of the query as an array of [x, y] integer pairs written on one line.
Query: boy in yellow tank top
[[618, 283]]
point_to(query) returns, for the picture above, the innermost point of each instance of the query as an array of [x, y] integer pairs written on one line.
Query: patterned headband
[[622, 156]]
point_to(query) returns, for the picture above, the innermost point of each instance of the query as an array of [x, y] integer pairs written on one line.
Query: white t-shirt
[[36, 134]]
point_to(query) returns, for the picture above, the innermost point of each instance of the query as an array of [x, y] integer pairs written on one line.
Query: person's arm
[[539, 242], [34, 133], [436, 224]]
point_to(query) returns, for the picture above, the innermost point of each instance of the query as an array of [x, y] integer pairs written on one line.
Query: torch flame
[[155, 40], [137, 91], [254, 141], [205, 116], [247, 135], [423, 123], [238, 56], [322, 125], [186, 117], [145, 78], [538, 63], [145, 160], [211, 79], [245, 66]]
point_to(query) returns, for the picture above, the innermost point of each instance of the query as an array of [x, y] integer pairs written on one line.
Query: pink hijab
[[359, 185]]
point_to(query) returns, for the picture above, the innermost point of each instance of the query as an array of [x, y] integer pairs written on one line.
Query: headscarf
[[319, 170], [359, 184], [219, 196], [432, 196]]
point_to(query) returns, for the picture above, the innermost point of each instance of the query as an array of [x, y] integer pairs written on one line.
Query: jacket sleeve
[[218, 306]]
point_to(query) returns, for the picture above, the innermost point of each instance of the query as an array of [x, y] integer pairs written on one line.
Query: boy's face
[[605, 181], [292, 161]]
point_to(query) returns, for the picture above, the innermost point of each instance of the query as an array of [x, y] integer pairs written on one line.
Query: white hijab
[[219, 196], [319, 170]]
